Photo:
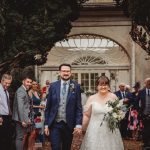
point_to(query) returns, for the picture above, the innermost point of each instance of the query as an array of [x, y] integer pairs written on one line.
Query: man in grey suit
[[21, 109]]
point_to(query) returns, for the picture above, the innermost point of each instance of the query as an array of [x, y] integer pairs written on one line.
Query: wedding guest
[[144, 99], [42, 111], [135, 102], [5, 113], [121, 93], [22, 114], [63, 113], [134, 122], [34, 94], [45, 89], [127, 88], [98, 135], [127, 97]]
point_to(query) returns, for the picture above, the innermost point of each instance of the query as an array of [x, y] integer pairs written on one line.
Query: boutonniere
[[72, 87]]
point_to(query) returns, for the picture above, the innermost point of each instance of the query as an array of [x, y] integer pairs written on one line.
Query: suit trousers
[[124, 126], [6, 133], [20, 134], [61, 136], [146, 131]]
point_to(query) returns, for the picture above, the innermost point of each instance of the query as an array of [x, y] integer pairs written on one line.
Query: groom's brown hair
[[64, 65]]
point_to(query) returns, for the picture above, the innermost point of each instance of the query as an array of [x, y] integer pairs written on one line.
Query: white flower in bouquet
[[120, 117], [108, 109], [121, 114], [115, 115], [120, 103]]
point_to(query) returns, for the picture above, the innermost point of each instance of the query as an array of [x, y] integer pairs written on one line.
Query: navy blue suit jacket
[[142, 99], [127, 95], [118, 94], [73, 107]]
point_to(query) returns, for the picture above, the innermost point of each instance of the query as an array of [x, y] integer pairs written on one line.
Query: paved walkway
[[129, 145]]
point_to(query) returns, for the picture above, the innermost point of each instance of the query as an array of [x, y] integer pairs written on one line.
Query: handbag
[[38, 125], [38, 122]]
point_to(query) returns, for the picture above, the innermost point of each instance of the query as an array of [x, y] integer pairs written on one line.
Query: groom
[[63, 114]]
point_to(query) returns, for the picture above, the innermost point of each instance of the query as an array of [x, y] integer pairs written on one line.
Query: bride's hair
[[102, 80]]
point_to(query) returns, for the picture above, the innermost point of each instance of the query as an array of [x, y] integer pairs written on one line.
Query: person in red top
[[45, 89]]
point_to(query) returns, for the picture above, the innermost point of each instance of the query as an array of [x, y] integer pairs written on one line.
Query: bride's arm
[[87, 114]]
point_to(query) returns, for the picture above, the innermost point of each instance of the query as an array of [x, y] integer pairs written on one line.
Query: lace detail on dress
[[86, 108]]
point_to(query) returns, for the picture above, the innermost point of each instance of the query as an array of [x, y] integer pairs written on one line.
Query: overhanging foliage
[[29, 28]]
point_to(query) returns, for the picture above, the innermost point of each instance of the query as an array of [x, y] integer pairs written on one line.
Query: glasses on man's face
[[65, 71]]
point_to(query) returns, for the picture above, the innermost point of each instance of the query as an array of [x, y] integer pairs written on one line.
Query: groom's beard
[[66, 78]]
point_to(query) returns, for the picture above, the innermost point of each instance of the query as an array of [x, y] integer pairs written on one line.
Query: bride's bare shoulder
[[113, 96]]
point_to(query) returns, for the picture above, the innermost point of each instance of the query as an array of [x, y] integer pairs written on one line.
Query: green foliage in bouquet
[[116, 111]]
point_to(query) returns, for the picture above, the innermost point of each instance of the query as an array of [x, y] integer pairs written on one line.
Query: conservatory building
[[98, 44]]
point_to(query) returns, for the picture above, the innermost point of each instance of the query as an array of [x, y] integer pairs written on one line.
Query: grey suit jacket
[[21, 105]]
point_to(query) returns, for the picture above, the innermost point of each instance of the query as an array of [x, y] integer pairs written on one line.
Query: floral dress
[[133, 119], [31, 115]]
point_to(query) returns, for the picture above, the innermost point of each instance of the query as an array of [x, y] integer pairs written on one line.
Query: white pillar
[[36, 72], [133, 64]]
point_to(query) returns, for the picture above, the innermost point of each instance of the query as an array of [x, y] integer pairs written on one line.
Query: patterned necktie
[[148, 92], [8, 103], [123, 95], [64, 88]]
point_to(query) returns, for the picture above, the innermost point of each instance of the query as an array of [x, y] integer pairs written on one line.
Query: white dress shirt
[[147, 91], [123, 95]]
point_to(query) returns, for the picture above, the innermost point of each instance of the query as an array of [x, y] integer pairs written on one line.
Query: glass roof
[[87, 42], [91, 49]]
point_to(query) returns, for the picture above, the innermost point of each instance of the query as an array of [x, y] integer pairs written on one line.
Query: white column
[[36, 73], [133, 64]]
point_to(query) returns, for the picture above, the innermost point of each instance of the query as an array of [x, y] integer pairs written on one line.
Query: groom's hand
[[46, 131], [77, 131]]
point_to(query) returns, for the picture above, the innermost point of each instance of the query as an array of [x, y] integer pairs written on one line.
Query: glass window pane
[[93, 82], [75, 76], [85, 81]]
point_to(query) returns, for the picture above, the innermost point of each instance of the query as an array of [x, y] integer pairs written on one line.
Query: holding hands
[[77, 131]]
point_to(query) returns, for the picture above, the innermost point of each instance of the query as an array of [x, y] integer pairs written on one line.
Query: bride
[[99, 137]]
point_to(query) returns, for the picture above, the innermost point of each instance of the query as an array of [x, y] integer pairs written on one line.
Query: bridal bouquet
[[116, 111]]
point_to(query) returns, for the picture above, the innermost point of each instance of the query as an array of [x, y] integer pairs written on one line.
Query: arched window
[[88, 60]]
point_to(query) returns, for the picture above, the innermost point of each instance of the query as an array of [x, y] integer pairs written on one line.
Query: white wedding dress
[[100, 137]]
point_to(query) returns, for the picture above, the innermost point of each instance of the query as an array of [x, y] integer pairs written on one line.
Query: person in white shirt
[[127, 97], [5, 113]]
